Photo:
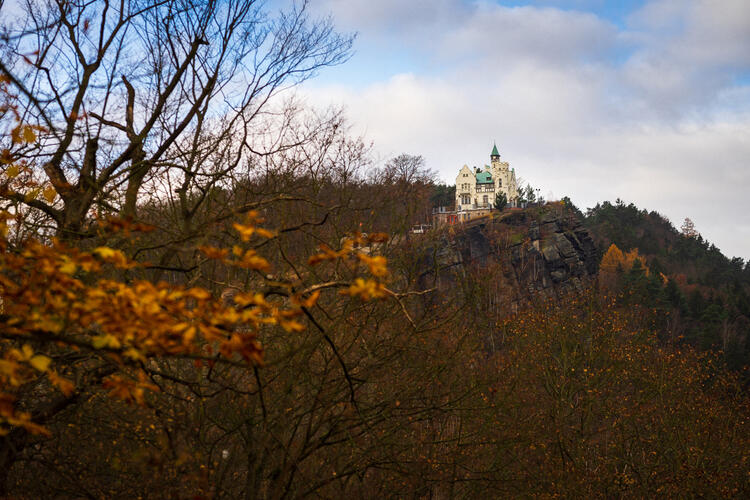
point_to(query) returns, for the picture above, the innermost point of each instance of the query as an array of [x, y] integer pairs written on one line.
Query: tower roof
[[494, 151]]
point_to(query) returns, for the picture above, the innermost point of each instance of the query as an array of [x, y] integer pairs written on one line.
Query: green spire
[[494, 151]]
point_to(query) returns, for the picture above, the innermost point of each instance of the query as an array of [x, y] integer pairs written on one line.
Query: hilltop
[[705, 293], [694, 294]]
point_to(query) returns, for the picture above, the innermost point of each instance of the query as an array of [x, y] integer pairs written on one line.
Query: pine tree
[[688, 228]]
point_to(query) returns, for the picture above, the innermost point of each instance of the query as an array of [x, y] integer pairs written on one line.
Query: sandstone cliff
[[516, 257]]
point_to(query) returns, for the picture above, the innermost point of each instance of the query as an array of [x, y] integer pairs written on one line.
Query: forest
[[210, 290]]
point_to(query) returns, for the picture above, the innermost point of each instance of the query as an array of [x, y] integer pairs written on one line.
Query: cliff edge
[[518, 256]]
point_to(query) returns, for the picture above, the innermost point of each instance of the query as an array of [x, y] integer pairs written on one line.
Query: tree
[[521, 196], [149, 110], [570, 207], [409, 181], [688, 228], [500, 201], [122, 95], [75, 327], [611, 267], [199, 405], [443, 195], [530, 194]]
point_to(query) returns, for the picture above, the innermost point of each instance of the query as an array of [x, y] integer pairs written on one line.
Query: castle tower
[[497, 164], [505, 178], [494, 156]]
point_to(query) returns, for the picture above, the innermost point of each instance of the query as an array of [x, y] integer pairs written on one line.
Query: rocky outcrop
[[532, 255]]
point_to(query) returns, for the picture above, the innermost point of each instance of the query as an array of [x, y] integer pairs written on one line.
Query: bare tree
[[127, 91], [409, 183]]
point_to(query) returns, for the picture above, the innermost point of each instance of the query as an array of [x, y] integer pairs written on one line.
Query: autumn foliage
[[57, 298], [400, 397], [600, 407], [189, 309], [615, 263]]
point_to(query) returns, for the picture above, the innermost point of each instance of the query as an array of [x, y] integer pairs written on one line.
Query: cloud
[[703, 32], [580, 106], [451, 31], [688, 52], [383, 19], [545, 35]]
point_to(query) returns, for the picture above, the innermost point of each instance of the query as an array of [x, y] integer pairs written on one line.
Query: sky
[[643, 100]]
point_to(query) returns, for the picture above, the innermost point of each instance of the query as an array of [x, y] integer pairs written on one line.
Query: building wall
[[465, 188], [506, 177]]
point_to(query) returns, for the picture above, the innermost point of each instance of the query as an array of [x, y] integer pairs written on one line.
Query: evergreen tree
[[500, 201]]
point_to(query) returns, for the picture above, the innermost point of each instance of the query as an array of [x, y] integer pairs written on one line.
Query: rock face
[[528, 255]]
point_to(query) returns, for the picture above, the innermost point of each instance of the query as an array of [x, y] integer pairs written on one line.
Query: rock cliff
[[524, 255]]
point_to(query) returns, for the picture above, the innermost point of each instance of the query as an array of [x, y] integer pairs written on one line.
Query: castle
[[476, 190]]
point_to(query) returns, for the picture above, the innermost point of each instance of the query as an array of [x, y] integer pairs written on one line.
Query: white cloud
[[702, 32], [688, 51], [547, 35], [644, 113], [385, 18]]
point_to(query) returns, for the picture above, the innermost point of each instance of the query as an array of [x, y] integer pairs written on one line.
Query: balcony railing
[[442, 210]]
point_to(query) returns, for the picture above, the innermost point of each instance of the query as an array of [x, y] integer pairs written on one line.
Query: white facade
[[476, 189]]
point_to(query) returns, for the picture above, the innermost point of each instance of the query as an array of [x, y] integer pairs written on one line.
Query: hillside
[[468, 361], [667, 249], [693, 293], [210, 290], [706, 297]]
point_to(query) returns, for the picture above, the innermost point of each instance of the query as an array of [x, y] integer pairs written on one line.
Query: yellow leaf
[[105, 341], [264, 232], [113, 256], [67, 266], [189, 335], [365, 289], [99, 341], [12, 171], [49, 325], [28, 134], [377, 264], [31, 194], [253, 261], [15, 135], [291, 326], [311, 300], [213, 252], [105, 252], [28, 352], [49, 194], [40, 362], [134, 354], [179, 327], [199, 294], [246, 232]]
